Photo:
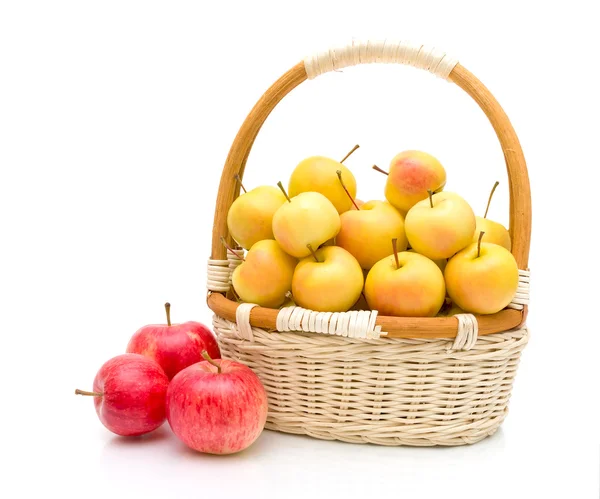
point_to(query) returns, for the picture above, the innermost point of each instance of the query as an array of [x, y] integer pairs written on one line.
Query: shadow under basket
[[357, 376]]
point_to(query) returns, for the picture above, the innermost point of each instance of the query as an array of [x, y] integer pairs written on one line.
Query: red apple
[[129, 394], [217, 406], [174, 346]]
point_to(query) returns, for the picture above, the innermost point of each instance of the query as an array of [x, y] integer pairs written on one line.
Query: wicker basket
[[429, 381]]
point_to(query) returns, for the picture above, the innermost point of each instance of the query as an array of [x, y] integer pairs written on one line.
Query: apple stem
[[208, 359], [239, 179], [490, 199], [430, 197], [168, 311], [241, 257], [377, 169], [339, 174], [280, 185], [395, 247], [479, 243], [309, 246], [350, 153], [88, 394]]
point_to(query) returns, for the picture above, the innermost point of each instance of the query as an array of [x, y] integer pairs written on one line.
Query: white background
[[115, 120]]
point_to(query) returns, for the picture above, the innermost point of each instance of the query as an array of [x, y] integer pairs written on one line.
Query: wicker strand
[[219, 272], [389, 391], [381, 51], [521, 297], [354, 324], [466, 337], [242, 316]]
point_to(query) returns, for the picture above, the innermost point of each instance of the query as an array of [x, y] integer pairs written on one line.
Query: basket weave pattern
[[389, 391], [428, 380]]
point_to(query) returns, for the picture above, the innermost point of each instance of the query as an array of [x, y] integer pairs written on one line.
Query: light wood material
[[238, 154], [518, 179], [389, 391], [396, 327], [520, 205]]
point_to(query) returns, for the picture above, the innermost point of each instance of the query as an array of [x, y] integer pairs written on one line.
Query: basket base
[[390, 391], [467, 436]]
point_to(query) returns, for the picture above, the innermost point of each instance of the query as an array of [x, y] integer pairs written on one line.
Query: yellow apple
[[440, 226], [411, 175], [482, 280], [329, 281], [265, 276], [440, 263], [308, 218], [366, 233], [411, 286], [250, 217], [319, 174], [495, 233]]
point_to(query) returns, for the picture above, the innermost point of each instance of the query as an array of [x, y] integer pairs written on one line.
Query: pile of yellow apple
[[318, 247]]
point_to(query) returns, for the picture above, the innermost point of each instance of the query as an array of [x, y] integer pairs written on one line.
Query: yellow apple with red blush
[[366, 233], [440, 263], [330, 280], [406, 285], [440, 226], [482, 278], [250, 217], [319, 174], [411, 175], [306, 219], [265, 275]]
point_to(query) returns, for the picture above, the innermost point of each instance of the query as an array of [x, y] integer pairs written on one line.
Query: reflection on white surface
[[280, 465]]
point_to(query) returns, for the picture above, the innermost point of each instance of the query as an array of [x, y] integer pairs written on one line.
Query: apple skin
[[493, 232], [443, 230], [333, 284], [411, 175], [366, 233], [319, 174], [217, 413], [133, 398], [414, 289], [483, 284], [250, 217], [440, 263], [309, 218], [176, 346], [265, 277]]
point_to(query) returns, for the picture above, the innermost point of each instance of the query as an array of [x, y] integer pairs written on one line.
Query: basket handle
[[386, 51]]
